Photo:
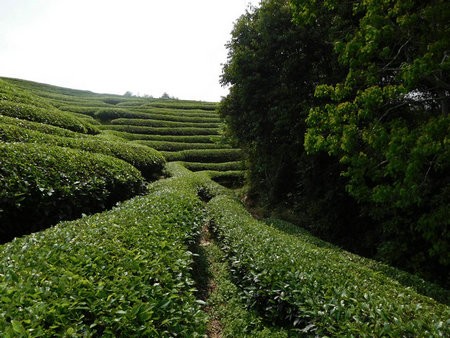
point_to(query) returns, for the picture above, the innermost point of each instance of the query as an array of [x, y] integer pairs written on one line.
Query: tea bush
[[41, 184], [168, 138], [224, 166], [50, 116], [40, 127], [317, 288], [162, 130], [125, 272], [204, 155], [163, 123], [149, 161], [176, 146]]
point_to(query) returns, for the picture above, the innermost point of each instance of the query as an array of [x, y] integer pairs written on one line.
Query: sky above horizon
[[148, 47]]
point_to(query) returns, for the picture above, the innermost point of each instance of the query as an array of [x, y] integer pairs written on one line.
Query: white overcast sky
[[113, 46]]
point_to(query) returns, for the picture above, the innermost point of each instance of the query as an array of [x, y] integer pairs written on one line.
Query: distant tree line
[[343, 111]]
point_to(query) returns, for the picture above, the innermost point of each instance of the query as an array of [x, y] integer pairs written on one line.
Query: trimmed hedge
[[204, 155], [177, 146], [163, 123], [179, 104], [122, 273], [50, 116], [10, 92], [40, 127], [168, 138], [149, 161], [180, 116], [224, 166], [162, 130], [319, 289], [43, 184]]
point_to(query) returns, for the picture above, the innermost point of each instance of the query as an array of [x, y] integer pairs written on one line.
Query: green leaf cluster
[[297, 281], [342, 110], [124, 272], [149, 161], [41, 184], [50, 116]]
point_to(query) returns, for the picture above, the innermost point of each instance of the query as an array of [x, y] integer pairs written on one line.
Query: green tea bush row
[[168, 138], [229, 179], [41, 184], [178, 104], [162, 123], [204, 155], [218, 166], [50, 116], [10, 92], [122, 273], [317, 288], [176, 146], [149, 161], [179, 116], [162, 130], [40, 127]]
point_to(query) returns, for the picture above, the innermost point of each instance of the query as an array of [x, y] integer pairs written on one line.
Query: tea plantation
[[119, 217]]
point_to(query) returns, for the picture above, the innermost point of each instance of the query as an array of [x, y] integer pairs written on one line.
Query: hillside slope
[[136, 269]]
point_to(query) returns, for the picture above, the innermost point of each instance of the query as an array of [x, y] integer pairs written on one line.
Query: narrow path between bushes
[[206, 268]]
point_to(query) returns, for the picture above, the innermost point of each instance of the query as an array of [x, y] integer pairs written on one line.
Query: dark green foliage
[[296, 280], [163, 123], [342, 108], [387, 122], [162, 130], [50, 116], [43, 184], [169, 138], [40, 127], [149, 161], [121, 273], [176, 146], [222, 166], [204, 155]]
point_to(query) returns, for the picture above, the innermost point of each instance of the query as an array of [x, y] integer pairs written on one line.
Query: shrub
[[37, 126], [162, 130], [10, 92], [149, 161], [43, 184], [163, 123], [125, 272], [204, 155], [176, 146], [50, 116], [224, 166], [168, 138], [298, 281]]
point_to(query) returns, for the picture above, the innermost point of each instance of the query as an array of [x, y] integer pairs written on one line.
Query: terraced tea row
[[184, 131], [128, 272]]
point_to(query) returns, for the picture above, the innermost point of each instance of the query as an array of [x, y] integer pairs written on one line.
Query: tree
[[387, 122], [273, 68]]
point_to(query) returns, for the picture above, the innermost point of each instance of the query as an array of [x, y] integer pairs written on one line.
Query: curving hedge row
[[204, 155], [299, 281], [10, 92], [51, 116], [163, 123], [40, 127], [215, 166], [177, 146], [149, 161], [41, 184], [168, 138], [122, 273], [162, 130]]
